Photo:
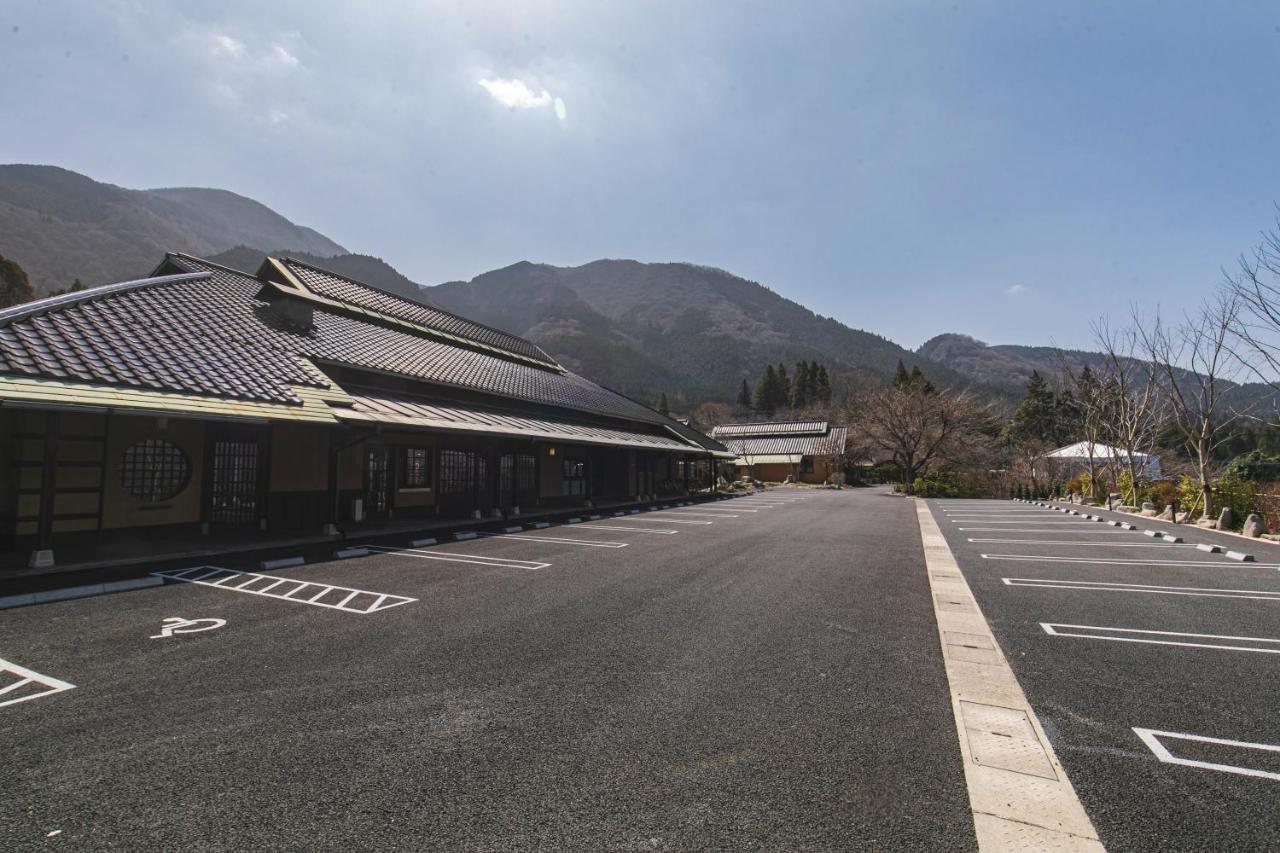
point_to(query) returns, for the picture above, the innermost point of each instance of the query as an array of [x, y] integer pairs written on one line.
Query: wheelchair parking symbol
[[179, 625]]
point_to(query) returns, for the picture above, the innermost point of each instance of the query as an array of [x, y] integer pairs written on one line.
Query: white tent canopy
[[1080, 453]]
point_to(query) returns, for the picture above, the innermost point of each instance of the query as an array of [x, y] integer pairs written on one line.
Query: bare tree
[[1131, 398], [1091, 398], [1257, 287], [1196, 365], [923, 429]]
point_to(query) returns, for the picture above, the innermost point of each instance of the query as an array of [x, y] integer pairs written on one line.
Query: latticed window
[[575, 477], [417, 468], [457, 472], [154, 470]]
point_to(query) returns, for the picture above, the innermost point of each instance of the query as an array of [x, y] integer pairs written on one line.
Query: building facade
[[804, 451], [207, 401]]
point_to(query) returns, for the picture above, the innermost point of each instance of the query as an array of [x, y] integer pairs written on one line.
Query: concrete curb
[[422, 543], [347, 553], [85, 591], [1019, 794], [282, 563]]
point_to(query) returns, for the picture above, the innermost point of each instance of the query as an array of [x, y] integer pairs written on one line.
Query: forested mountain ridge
[[61, 226]]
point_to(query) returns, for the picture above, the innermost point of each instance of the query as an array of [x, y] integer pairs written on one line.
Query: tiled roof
[[773, 445], [770, 428], [210, 334], [342, 289], [404, 409]]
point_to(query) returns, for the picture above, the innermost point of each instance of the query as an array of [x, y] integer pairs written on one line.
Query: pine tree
[[800, 386], [766, 399], [15, 288], [822, 385], [744, 396], [902, 379], [783, 398], [663, 408]]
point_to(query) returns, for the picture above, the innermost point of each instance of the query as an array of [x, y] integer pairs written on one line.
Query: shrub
[[1240, 495]]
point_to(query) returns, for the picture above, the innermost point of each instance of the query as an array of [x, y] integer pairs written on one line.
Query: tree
[[766, 398], [1203, 344], [800, 386], [744, 396], [1131, 399], [15, 288], [663, 408], [822, 385], [782, 392], [922, 429], [901, 379]]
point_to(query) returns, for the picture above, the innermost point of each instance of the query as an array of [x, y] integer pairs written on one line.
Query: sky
[[1004, 170]]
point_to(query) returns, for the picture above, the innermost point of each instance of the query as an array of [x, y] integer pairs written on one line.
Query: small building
[[807, 451], [1067, 462], [206, 401]]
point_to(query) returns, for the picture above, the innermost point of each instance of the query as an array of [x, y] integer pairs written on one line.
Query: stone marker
[[1226, 519], [1253, 526]]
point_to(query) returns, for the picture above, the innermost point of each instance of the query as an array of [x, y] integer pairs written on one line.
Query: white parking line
[[558, 539], [985, 521], [15, 681], [629, 529], [1082, 528], [1136, 635], [374, 602], [709, 513], [1107, 586], [1082, 544], [1151, 737], [666, 520], [1035, 558], [474, 559]]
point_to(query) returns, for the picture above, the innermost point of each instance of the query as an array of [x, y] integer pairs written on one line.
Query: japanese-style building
[[805, 451], [206, 400]]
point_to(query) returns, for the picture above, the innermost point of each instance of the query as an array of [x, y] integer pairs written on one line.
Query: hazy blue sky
[[1005, 170]]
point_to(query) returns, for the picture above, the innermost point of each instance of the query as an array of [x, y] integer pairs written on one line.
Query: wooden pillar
[[43, 556]]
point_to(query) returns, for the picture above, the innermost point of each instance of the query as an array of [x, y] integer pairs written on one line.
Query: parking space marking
[[1082, 544], [1111, 586], [558, 539], [708, 513], [1083, 528], [668, 520], [1037, 558], [19, 684], [343, 598], [1151, 737], [474, 559], [1137, 635], [629, 529], [1036, 521]]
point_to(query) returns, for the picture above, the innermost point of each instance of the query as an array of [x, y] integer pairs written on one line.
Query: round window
[[154, 470]]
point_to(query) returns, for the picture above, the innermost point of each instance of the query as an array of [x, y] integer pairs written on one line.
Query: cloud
[[1016, 290], [515, 93], [283, 58], [225, 45]]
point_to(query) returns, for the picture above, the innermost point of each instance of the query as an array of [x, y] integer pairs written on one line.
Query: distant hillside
[[60, 226], [694, 332], [1007, 367]]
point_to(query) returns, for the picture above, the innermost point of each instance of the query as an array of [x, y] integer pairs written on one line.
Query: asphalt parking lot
[[759, 673], [1151, 664]]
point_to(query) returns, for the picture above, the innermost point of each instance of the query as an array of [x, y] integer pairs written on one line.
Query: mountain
[[691, 331], [1007, 367], [59, 226]]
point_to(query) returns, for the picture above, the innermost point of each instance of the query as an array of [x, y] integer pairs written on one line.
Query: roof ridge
[[403, 298], [198, 259], [66, 300]]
